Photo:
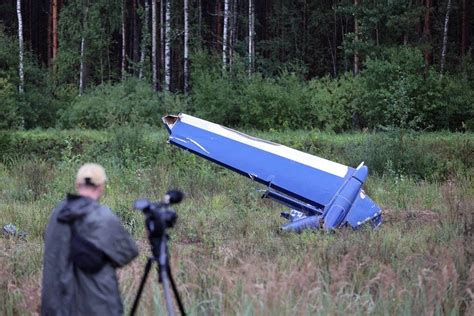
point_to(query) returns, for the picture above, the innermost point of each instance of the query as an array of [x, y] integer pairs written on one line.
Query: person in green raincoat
[[84, 243]]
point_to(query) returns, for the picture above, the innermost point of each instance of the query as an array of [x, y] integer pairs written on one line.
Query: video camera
[[159, 215]]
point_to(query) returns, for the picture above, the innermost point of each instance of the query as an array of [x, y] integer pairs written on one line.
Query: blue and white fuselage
[[319, 192]]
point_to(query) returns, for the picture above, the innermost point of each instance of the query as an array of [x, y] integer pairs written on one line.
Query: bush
[[333, 102], [397, 91], [279, 103], [232, 98], [131, 101], [9, 112]]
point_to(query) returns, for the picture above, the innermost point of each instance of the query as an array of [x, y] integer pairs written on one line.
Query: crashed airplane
[[320, 193]]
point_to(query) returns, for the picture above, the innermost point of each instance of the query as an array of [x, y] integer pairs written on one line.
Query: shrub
[[333, 102], [397, 91], [279, 103], [131, 101]]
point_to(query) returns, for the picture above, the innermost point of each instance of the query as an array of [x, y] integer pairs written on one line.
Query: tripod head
[[159, 216]]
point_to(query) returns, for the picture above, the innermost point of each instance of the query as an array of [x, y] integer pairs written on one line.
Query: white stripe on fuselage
[[277, 149]]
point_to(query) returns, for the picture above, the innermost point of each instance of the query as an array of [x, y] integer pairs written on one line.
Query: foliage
[[101, 21], [129, 102], [236, 99], [9, 112], [333, 102], [397, 91], [33, 108]]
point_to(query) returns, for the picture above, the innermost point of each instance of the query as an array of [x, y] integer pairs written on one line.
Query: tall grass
[[227, 252]]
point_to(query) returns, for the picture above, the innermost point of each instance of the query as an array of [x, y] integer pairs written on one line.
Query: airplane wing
[[311, 185]]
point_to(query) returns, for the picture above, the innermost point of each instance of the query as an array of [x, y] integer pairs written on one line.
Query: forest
[[335, 65]]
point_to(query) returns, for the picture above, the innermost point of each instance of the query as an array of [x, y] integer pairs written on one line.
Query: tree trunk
[[145, 34], [225, 34], [124, 39], [186, 47], [168, 45], [445, 37], [334, 44], [427, 34], [251, 48], [464, 28], [135, 43], [356, 39], [154, 60], [50, 36], [21, 72], [233, 33], [162, 39], [82, 70], [54, 30]]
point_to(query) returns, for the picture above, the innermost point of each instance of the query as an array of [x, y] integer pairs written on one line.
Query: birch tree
[[186, 47], [251, 44], [225, 35], [21, 71], [162, 38], [154, 45], [82, 69], [167, 44], [445, 37], [145, 38]]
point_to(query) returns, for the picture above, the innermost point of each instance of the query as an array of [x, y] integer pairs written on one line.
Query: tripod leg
[[175, 291], [166, 291], [142, 285]]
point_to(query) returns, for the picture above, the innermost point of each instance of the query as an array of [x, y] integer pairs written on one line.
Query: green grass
[[227, 252]]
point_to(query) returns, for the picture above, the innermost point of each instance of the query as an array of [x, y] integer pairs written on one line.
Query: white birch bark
[[154, 47], [186, 47], [445, 37], [21, 71], [123, 39], [251, 48], [82, 70], [162, 38], [144, 43], [168, 45], [225, 34]]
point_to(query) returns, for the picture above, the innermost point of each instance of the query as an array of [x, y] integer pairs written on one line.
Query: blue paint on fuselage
[[308, 184]]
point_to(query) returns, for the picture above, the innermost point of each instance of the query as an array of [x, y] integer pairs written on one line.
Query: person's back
[[84, 243]]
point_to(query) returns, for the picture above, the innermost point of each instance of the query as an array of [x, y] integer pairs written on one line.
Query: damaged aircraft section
[[320, 193]]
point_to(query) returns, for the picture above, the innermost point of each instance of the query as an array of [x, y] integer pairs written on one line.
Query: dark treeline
[[342, 64]]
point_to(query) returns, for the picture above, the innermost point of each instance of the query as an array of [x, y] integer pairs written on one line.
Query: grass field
[[227, 253]]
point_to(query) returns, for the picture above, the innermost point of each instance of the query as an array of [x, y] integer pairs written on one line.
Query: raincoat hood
[[76, 206]]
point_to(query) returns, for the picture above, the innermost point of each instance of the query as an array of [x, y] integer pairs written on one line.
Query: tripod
[[159, 248]]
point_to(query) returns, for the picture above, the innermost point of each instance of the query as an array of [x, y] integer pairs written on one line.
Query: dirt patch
[[422, 216]]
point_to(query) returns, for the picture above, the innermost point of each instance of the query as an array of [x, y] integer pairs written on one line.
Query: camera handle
[[164, 275]]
